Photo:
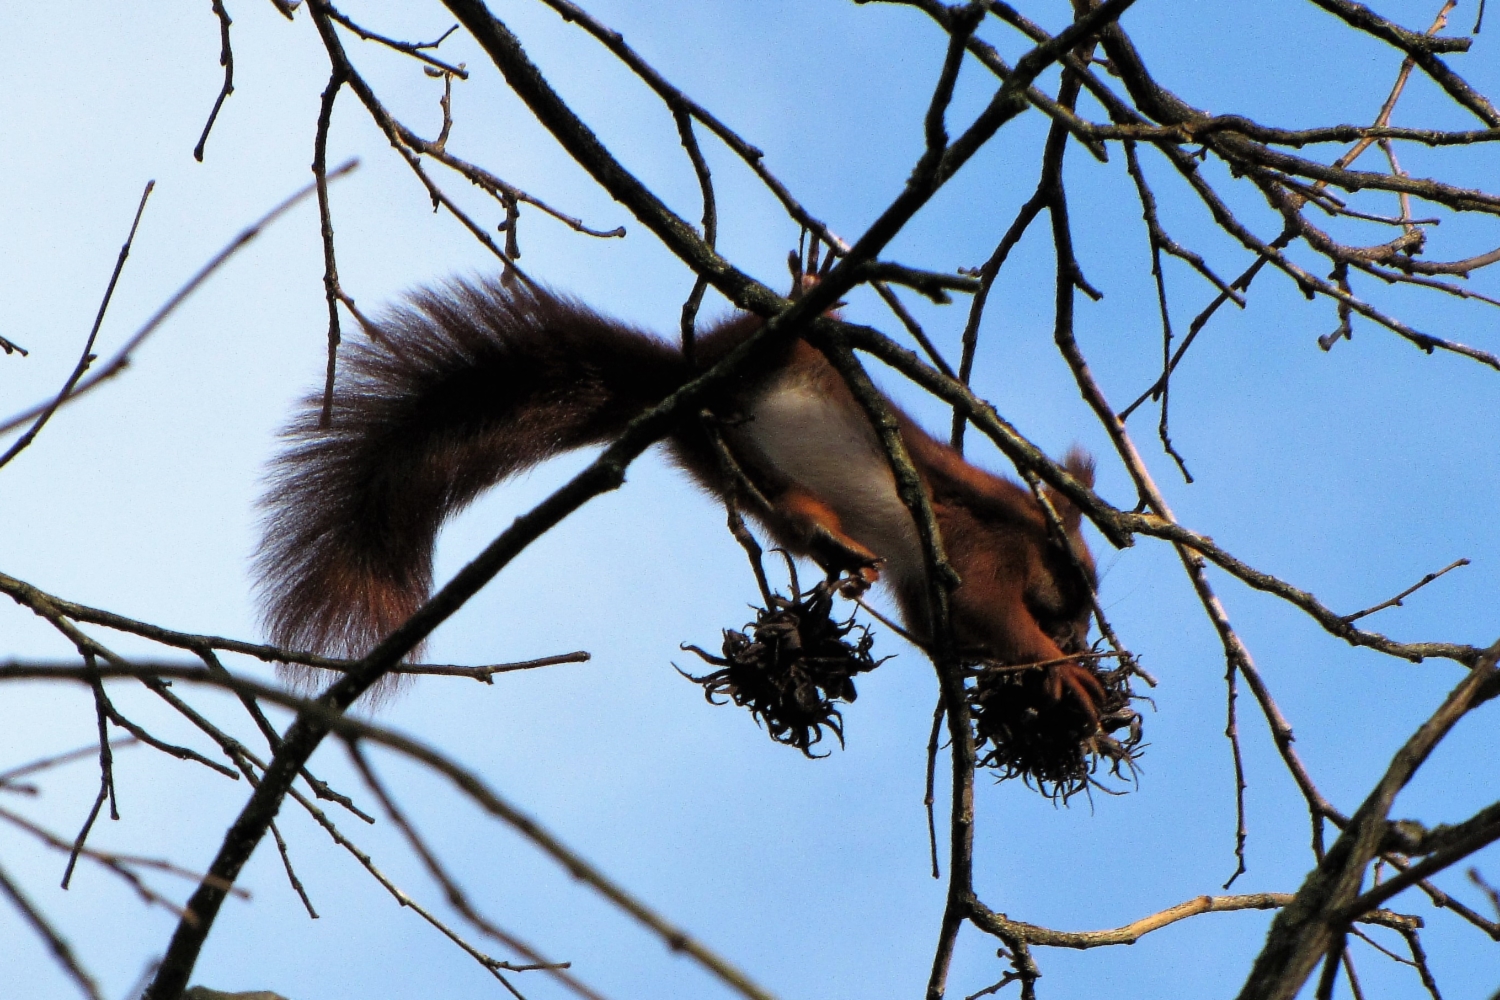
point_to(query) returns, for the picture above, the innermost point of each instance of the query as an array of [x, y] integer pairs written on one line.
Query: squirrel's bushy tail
[[458, 389]]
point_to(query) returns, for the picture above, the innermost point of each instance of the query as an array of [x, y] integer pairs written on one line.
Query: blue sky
[[1349, 473]]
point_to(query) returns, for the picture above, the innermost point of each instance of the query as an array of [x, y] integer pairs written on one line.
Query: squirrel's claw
[[1080, 682], [859, 579]]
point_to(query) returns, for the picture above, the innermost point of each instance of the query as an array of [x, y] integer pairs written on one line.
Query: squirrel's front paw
[[859, 579]]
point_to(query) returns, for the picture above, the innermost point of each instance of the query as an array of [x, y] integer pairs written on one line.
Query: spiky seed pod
[[792, 667], [1052, 744]]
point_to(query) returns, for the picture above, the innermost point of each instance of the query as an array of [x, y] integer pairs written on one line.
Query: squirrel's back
[[456, 390]]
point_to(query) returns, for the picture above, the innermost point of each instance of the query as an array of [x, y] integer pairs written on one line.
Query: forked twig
[[87, 358], [118, 363]]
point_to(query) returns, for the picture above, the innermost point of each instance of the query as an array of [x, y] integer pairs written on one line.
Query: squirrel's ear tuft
[[1080, 465]]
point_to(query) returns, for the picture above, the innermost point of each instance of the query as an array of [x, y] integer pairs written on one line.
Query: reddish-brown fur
[[474, 382]]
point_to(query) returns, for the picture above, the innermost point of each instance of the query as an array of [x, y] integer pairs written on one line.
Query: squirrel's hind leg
[[810, 526]]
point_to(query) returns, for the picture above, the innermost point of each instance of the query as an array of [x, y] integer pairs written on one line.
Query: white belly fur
[[835, 455]]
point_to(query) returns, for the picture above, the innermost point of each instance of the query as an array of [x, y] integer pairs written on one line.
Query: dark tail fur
[[464, 386]]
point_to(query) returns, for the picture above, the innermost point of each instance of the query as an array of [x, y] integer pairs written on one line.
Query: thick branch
[[1303, 932]]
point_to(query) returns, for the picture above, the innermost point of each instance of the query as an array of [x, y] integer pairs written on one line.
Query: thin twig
[[413, 49], [486, 674], [471, 785], [1433, 863], [291, 873], [33, 597], [59, 947], [1484, 887], [1232, 733], [457, 898], [1419, 961], [928, 797], [106, 772], [555, 969], [122, 358], [56, 760], [87, 357], [710, 229], [331, 289], [1332, 962], [1443, 901], [1354, 984], [91, 650], [738, 488], [119, 864], [677, 101], [1005, 981], [1241, 284], [1160, 241], [226, 59], [912, 326], [273, 739], [987, 274], [1421, 48], [393, 132], [1395, 602]]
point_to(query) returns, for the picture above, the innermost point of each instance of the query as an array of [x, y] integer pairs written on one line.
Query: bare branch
[[413, 49], [710, 230], [328, 713], [226, 59], [120, 865], [1303, 933], [60, 948], [1419, 48], [56, 760], [1395, 602], [1135, 930], [118, 363], [88, 356], [32, 597]]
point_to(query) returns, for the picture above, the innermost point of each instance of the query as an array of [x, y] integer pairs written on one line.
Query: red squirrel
[[471, 383]]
